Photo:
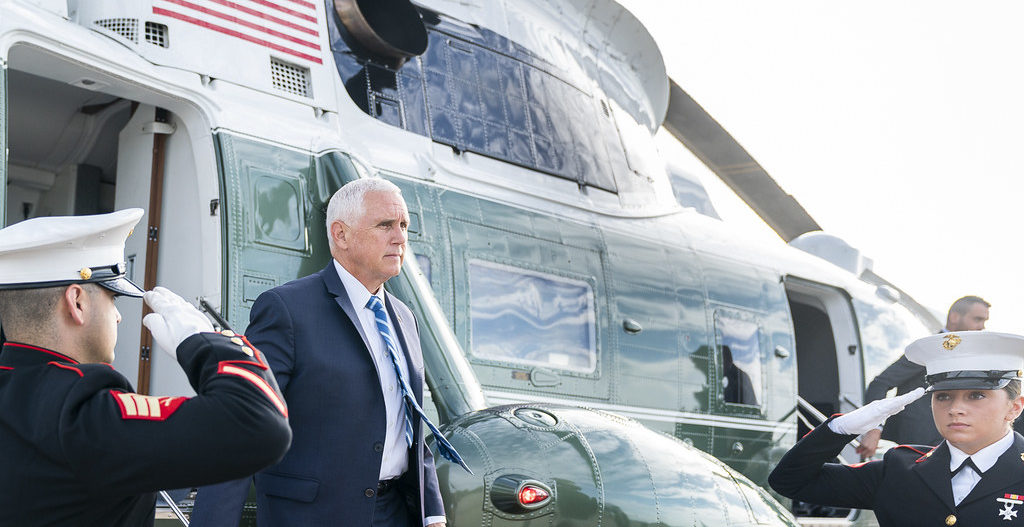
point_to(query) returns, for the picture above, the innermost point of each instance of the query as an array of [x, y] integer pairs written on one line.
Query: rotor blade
[[688, 122]]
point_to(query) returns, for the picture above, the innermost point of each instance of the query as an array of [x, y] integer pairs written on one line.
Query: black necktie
[[969, 464]]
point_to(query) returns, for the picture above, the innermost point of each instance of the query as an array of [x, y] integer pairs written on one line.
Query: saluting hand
[[871, 415], [173, 319]]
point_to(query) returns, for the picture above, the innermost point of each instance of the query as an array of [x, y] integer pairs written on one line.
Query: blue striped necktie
[[444, 448]]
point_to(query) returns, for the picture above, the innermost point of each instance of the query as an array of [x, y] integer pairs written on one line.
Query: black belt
[[385, 486]]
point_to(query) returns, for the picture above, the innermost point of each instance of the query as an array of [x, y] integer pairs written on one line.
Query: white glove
[[173, 319], [871, 415]]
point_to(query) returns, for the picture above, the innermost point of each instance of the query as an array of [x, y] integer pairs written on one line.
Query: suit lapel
[[334, 286], [1009, 469], [933, 469]]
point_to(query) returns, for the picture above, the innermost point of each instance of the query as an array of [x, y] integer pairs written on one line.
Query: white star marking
[[1008, 512]]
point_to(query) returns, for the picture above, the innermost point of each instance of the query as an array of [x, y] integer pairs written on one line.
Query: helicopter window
[[333, 170], [885, 330], [739, 347], [424, 263], [480, 92], [529, 317]]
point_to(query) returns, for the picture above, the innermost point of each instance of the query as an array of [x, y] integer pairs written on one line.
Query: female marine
[[975, 477]]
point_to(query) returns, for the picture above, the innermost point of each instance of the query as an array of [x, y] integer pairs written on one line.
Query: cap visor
[[968, 384], [123, 286]]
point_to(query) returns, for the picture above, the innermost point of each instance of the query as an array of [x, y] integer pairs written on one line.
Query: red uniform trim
[[924, 455], [230, 368], [44, 350], [6, 368], [908, 447], [261, 363], [66, 367], [145, 407]]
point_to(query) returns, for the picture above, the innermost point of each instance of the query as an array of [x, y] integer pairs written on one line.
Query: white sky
[[897, 125]]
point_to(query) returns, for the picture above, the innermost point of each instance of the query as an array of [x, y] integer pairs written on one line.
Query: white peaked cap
[[59, 250], [964, 360]]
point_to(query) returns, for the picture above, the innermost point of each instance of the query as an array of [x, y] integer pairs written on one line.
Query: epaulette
[[924, 455]]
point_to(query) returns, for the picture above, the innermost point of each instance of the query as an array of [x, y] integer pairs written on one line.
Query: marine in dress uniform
[[975, 477], [79, 446]]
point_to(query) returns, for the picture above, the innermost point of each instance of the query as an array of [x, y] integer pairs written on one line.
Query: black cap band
[[111, 277], [971, 379]]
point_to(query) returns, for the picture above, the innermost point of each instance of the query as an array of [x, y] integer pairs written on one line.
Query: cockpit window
[[480, 92], [528, 317], [739, 353]]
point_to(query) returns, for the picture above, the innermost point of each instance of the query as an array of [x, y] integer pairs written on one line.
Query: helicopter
[[670, 360]]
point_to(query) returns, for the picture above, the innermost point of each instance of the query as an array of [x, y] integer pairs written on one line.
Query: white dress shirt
[[965, 480], [395, 460], [396, 451]]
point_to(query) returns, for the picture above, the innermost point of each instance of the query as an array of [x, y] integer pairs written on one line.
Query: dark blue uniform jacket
[[909, 487], [79, 448]]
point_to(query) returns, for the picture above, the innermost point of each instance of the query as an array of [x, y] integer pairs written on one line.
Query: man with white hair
[[347, 356]]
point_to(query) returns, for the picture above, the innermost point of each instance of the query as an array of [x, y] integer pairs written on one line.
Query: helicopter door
[[3, 142], [274, 204]]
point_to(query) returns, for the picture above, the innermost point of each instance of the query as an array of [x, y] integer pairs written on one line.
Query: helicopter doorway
[[81, 142], [829, 371]]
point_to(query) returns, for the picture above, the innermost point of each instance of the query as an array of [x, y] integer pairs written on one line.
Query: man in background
[[915, 425]]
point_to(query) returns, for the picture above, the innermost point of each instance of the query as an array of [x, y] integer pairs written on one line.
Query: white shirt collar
[[985, 458], [357, 292]]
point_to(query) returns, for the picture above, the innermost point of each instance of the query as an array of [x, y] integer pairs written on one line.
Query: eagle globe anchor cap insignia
[[951, 342]]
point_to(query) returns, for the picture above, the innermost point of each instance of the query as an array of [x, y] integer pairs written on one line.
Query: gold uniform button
[[247, 350], [951, 520], [227, 333], [236, 340]]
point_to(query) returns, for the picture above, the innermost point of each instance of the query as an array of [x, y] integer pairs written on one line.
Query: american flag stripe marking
[[285, 10], [245, 23], [265, 16], [237, 34], [293, 29], [303, 3]]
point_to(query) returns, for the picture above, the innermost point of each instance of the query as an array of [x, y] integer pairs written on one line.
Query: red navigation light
[[532, 495]]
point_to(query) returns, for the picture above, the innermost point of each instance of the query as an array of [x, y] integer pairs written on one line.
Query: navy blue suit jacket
[[311, 336]]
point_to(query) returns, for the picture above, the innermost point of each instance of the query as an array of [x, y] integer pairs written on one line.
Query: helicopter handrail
[[174, 507], [815, 413], [851, 403]]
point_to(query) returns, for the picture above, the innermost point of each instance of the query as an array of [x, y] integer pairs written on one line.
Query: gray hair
[[347, 203]]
